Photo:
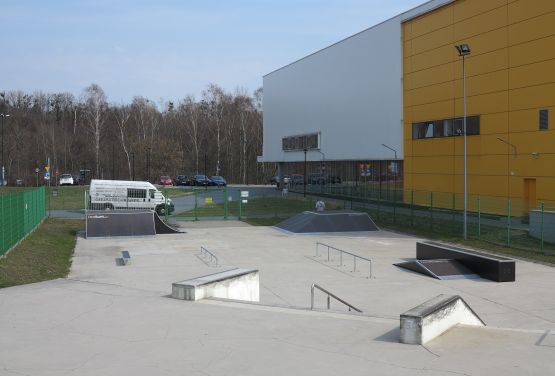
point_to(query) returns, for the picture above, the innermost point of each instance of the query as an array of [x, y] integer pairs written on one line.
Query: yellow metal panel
[[437, 56], [430, 94], [433, 75], [483, 83], [533, 51], [480, 44], [494, 165], [432, 182], [482, 63], [432, 165], [490, 145], [524, 120], [407, 31], [480, 24], [523, 9], [538, 96], [464, 9], [531, 142], [407, 48], [436, 39], [483, 104], [433, 111], [431, 21], [532, 74], [532, 29], [433, 146], [494, 123]]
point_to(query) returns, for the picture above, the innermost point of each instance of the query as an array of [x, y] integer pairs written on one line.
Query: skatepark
[[106, 319]]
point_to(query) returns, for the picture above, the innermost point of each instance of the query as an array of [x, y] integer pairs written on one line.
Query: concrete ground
[[110, 320]]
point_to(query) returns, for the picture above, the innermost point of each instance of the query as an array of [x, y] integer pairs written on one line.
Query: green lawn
[[43, 255]]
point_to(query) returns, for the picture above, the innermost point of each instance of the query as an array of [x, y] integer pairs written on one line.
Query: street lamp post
[[464, 50], [304, 176], [3, 173], [395, 174], [133, 165]]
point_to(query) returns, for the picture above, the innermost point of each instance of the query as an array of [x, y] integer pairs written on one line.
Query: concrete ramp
[[434, 317], [328, 221], [439, 269], [107, 224], [162, 227]]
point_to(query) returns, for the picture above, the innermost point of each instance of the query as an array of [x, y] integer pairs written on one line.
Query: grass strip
[[43, 255]]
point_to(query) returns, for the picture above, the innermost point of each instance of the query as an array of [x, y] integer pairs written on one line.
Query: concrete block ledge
[[434, 317], [238, 284]]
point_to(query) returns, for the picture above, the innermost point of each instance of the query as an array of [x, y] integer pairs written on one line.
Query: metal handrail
[[355, 257], [315, 286], [213, 257]]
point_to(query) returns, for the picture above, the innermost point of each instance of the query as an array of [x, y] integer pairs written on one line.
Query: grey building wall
[[351, 92]]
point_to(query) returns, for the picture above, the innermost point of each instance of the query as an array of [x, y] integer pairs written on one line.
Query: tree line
[[221, 132]]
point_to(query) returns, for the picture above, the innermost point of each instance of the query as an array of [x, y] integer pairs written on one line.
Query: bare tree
[[95, 107]]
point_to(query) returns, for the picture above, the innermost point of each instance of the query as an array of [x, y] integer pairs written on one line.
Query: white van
[[120, 194]]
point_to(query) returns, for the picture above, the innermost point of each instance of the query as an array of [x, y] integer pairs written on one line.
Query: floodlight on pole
[[508, 143], [464, 50]]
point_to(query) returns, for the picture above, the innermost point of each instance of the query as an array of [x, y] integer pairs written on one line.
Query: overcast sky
[[169, 48]]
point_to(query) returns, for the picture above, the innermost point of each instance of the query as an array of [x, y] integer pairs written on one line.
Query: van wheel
[[160, 210], [108, 207]]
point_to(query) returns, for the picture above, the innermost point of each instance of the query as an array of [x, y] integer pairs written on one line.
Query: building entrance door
[[529, 194]]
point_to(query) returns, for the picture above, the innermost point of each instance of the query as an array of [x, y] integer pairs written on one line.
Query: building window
[[544, 119], [446, 128], [301, 142]]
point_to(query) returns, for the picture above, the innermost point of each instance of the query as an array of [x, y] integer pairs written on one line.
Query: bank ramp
[[335, 221]]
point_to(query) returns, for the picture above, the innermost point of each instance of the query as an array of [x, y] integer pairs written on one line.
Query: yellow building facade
[[510, 80]]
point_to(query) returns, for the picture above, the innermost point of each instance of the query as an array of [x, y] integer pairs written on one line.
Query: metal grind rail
[[341, 252], [329, 294], [205, 252]]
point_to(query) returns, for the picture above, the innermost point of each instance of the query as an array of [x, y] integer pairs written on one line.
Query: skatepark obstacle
[[434, 317]]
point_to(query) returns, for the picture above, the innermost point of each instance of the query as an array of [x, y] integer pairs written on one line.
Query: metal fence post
[[225, 203], [411, 208], [509, 223], [479, 219], [239, 201], [431, 210], [541, 227], [166, 204], [196, 205]]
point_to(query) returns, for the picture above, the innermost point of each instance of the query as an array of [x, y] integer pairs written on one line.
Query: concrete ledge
[[434, 317], [238, 284]]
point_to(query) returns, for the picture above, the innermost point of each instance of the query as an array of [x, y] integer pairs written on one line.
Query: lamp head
[[463, 49]]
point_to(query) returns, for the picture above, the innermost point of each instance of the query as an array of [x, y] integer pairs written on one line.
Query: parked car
[[201, 180], [274, 180], [66, 179], [296, 179], [20, 182], [181, 180], [165, 180], [76, 180], [218, 181]]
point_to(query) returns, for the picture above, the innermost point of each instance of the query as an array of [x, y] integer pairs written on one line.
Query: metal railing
[[206, 253], [341, 252], [329, 294]]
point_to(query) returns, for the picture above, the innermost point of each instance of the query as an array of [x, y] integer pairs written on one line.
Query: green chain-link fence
[[229, 203], [511, 222], [20, 213]]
